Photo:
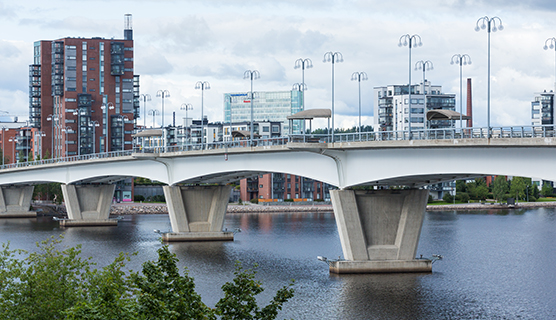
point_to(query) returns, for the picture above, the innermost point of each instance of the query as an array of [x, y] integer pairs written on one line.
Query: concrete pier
[[197, 213], [15, 202], [88, 205], [379, 230]]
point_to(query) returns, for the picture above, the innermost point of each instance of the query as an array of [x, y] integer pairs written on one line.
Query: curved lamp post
[[66, 130], [333, 57], [163, 94], [203, 85], [186, 107], [424, 65], [489, 24], [303, 64], [252, 75], [52, 118], [461, 60], [359, 76], [550, 43], [145, 97], [410, 40], [153, 112], [106, 107], [94, 124]]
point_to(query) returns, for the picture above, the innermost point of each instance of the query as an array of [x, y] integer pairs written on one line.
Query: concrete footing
[[379, 230], [197, 213], [198, 236], [88, 223], [15, 202], [384, 266], [88, 205]]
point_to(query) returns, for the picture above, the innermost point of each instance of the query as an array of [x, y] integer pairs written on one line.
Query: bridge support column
[[15, 202], [379, 230], [88, 205], [197, 213]]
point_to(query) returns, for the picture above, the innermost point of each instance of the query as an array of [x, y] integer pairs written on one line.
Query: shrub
[[463, 197], [288, 200], [254, 200], [448, 198], [431, 199], [138, 197]]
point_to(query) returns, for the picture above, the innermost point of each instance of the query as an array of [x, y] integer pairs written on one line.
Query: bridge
[[379, 228]]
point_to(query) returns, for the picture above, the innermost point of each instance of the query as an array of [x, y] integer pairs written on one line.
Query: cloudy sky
[[178, 43]]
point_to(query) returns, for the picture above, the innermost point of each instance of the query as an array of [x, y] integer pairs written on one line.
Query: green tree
[[239, 298], [165, 294], [461, 186], [499, 187], [517, 188], [547, 189]]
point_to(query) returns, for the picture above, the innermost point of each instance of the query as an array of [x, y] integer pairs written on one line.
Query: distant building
[[274, 106], [280, 186], [76, 84], [391, 106], [542, 109]]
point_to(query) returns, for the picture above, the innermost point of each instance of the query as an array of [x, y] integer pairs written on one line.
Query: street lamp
[[299, 87], [146, 97], [153, 112], [303, 63], [94, 124], [186, 107], [252, 75], [52, 118], [163, 94], [106, 107], [203, 85], [38, 133], [13, 140], [359, 76], [124, 119], [3, 134], [462, 60], [66, 130], [408, 40], [76, 113], [425, 66], [491, 24], [333, 57]]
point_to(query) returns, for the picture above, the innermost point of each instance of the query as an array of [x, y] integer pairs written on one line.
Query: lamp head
[[501, 27]]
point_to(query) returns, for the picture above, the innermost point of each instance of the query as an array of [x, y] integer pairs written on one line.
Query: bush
[[431, 199], [138, 197], [254, 200], [448, 198], [288, 200], [462, 197], [318, 200]]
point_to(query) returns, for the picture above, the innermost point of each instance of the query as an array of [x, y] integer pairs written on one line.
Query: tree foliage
[[58, 284], [499, 188], [547, 189]]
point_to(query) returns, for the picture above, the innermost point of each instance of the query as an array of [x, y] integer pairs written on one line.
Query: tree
[[517, 188], [165, 294], [547, 189], [499, 187], [239, 298]]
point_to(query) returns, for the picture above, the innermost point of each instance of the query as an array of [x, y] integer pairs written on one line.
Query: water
[[497, 265]]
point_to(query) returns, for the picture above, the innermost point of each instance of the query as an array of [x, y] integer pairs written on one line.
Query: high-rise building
[[273, 106], [542, 109], [391, 106], [83, 94]]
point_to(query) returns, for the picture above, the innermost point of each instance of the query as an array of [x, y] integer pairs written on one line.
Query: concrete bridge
[[379, 229]]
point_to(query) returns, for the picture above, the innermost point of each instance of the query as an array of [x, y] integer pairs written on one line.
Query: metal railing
[[428, 134]]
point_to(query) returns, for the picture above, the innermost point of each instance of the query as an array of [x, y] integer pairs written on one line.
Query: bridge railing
[[422, 134]]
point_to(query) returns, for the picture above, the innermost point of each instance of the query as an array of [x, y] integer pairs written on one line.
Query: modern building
[[83, 94], [542, 109], [391, 106], [277, 187], [273, 106]]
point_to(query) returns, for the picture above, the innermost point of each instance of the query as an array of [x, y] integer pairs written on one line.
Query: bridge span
[[379, 228]]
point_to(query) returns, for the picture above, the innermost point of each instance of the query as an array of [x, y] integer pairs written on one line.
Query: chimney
[[469, 104], [128, 31]]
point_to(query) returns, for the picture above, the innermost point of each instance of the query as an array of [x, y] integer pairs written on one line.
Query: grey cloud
[[8, 50], [275, 41], [187, 34], [152, 63]]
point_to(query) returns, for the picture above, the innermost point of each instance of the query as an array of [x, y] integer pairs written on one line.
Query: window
[[266, 129], [260, 186], [92, 90], [92, 69], [92, 58]]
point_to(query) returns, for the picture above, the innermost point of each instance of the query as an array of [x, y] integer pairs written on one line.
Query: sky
[[178, 43]]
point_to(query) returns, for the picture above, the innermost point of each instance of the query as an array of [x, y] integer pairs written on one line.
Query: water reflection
[[497, 263]]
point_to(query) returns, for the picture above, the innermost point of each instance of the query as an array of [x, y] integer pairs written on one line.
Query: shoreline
[[122, 209]]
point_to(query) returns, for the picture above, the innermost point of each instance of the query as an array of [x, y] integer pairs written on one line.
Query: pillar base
[[88, 223], [18, 214], [197, 236], [380, 266]]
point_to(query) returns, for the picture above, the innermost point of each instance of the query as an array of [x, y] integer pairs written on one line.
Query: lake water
[[497, 265]]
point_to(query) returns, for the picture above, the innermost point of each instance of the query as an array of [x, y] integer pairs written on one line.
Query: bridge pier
[[88, 205], [15, 202], [379, 230], [197, 213]]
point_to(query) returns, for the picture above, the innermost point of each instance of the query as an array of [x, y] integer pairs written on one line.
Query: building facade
[[83, 94], [391, 106], [542, 109], [277, 187], [273, 106]]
